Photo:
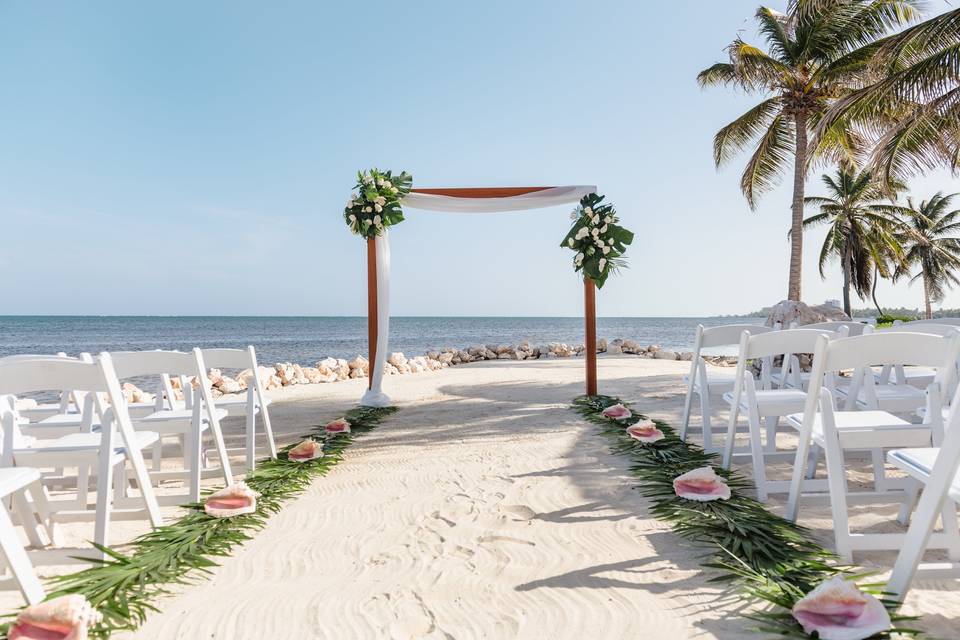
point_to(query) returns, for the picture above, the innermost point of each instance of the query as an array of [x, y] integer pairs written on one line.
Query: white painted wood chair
[[188, 425], [762, 405], [872, 430], [66, 404], [917, 377], [938, 470], [704, 382], [107, 450], [15, 482], [914, 323], [255, 401], [790, 375]]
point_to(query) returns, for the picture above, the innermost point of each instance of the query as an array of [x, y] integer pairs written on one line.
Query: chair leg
[[909, 503], [41, 505], [706, 419], [687, 407], [192, 461], [772, 423], [951, 529], [251, 440], [756, 455], [104, 499], [158, 455], [879, 475], [28, 520], [813, 461], [267, 427], [837, 483], [19, 562], [83, 486]]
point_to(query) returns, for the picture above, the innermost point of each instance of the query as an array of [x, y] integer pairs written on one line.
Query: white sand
[[485, 508]]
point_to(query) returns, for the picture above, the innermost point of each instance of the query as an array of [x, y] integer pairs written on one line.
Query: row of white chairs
[[861, 395], [93, 430]]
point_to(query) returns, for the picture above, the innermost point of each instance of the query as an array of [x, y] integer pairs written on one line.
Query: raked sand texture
[[485, 508]]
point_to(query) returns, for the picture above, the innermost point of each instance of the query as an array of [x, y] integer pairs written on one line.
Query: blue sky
[[194, 158]]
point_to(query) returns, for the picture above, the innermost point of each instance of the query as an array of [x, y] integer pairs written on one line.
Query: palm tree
[[931, 246], [862, 233], [816, 53], [912, 104]]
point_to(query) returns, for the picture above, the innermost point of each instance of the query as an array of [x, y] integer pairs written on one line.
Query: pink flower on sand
[[617, 412], [235, 500], [309, 449], [838, 610], [701, 485], [645, 431], [63, 618], [338, 426]]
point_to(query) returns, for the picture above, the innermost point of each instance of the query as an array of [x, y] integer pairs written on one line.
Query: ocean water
[[307, 339]]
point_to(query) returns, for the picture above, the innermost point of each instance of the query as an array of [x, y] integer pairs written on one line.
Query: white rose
[[574, 216], [603, 263], [380, 200], [606, 250], [588, 211], [387, 184], [368, 209], [603, 229], [376, 220], [353, 218], [608, 219], [595, 232], [394, 189], [349, 204], [582, 233], [377, 208], [595, 219], [599, 243], [580, 257], [570, 243]]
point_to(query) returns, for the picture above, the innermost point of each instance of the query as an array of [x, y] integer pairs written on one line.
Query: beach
[[484, 508]]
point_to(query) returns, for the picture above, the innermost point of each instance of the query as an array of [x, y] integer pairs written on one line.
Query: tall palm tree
[[931, 246], [862, 232], [911, 106], [817, 52]]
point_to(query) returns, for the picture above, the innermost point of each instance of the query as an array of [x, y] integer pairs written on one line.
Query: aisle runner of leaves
[[763, 555], [126, 586]]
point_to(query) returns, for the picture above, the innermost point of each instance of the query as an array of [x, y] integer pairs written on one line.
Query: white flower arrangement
[[597, 239], [375, 203]]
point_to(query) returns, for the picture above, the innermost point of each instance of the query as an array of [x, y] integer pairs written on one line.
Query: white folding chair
[[187, 425], [913, 376], [703, 382], [760, 403], [89, 449], [66, 404], [912, 323], [790, 375], [873, 430], [15, 483], [938, 469], [255, 402]]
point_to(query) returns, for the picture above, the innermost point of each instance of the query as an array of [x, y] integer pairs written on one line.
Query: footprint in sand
[[519, 512], [412, 618]]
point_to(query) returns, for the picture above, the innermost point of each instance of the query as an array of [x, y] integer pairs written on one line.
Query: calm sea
[[308, 339]]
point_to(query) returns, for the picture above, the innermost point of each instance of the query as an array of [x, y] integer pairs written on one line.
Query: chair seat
[[76, 443], [868, 430], [16, 478], [899, 397], [64, 420], [177, 421], [773, 402], [918, 463], [717, 381]]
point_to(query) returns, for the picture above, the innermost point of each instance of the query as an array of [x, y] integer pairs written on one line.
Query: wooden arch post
[[372, 313], [590, 322]]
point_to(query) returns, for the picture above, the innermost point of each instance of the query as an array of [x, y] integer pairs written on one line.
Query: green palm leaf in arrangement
[[125, 587], [753, 551]]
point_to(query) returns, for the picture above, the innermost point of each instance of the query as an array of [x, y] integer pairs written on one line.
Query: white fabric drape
[[549, 197], [374, 396]]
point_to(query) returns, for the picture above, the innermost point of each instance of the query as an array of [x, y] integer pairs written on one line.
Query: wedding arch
[[378, 204]]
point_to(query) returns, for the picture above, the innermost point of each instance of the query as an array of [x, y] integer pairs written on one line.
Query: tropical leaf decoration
[[759, 554], [597, 238], [374, 202], [125, 587]]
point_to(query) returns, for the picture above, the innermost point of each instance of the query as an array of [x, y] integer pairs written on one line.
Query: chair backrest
[[230, 358], [778, 343], [893, 348], [950, 321], [927, 327], [38, 373], [130, 364], [853, 328]]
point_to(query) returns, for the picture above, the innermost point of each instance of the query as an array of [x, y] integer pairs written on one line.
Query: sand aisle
[[484, 509]]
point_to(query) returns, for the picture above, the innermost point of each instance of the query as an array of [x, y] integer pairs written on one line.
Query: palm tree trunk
[[796, 225], [846, 281], [873, 290], [926, 296]]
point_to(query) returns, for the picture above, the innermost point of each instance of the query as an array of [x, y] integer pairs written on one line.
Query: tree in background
[[817, 52], [862, 233], [930, 247]]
